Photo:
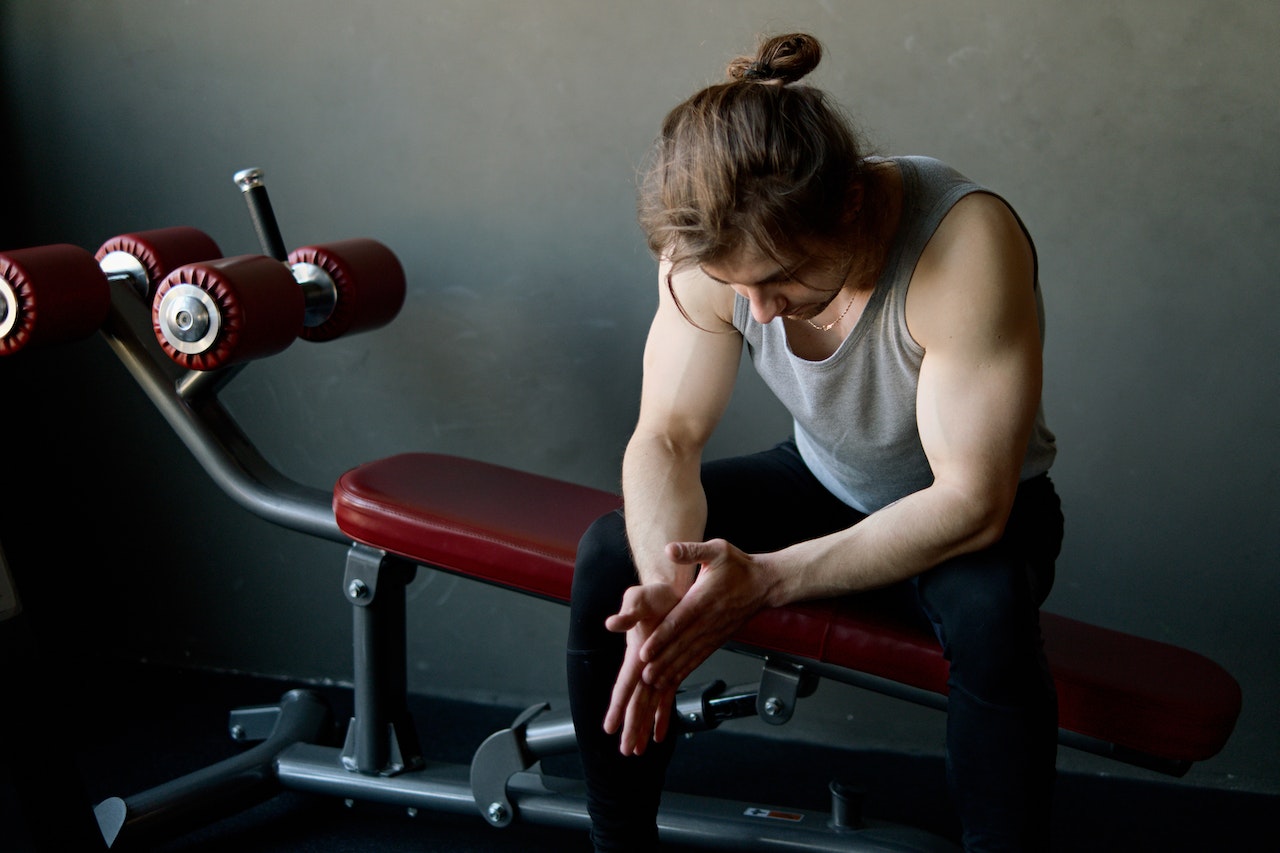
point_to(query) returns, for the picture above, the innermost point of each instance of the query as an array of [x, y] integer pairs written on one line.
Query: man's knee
[[988, 623], [603, 558], [602, 572]]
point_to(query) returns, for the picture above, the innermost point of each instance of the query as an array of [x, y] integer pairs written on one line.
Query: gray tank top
[[855, 412]]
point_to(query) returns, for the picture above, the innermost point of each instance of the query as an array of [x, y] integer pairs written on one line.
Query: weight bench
[[1132, 699]]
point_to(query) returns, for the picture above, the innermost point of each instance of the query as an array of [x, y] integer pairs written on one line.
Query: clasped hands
[[669, 635]]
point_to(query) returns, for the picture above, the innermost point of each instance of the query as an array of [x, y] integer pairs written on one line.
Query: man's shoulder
[[704, 301], [927, 168]]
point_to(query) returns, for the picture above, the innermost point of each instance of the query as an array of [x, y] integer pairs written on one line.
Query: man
[[893, 307]]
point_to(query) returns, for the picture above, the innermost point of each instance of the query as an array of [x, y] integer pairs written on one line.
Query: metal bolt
[[247, 179], [358, 589], [413, 812], [188, 318], [773, 706], [497, 812], [237, 732]]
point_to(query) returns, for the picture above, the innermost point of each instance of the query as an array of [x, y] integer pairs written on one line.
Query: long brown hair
[[758, 158]]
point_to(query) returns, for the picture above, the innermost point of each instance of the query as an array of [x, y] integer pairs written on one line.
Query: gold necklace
[[832, 324]]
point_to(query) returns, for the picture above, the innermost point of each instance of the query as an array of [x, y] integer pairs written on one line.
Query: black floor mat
[[126, 729]]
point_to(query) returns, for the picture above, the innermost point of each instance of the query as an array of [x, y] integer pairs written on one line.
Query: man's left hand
[[729, 590]]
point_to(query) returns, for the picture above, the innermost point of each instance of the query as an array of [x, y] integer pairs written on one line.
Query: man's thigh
[[769, 500]]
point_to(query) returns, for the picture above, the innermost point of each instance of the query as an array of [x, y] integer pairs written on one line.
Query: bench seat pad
[[521, 530]]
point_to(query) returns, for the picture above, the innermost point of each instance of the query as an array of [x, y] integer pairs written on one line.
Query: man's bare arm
[[972, 308], [689, 371]]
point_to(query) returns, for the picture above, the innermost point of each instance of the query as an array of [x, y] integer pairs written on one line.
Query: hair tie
[[758, 71]]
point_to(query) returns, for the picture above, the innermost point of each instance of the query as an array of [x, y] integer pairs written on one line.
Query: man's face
[[798, 290]]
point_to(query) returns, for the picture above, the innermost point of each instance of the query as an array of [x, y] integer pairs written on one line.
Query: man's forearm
[[664, 502], [900, 541]]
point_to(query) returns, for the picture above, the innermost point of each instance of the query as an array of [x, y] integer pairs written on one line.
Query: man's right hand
[[640, 710]]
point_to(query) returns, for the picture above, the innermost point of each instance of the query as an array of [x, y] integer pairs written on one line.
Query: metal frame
[[381, 760]]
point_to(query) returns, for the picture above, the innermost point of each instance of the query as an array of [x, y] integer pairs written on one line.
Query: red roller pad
[[257, 298], [369, 281], [521, 531], [61, 295], [163, 250]]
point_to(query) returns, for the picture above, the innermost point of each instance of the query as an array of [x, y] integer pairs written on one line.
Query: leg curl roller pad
[[352, 286], [50, 294], [216, 313], [144, 258]]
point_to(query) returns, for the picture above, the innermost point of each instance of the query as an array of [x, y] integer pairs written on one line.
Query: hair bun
[[786, 58]]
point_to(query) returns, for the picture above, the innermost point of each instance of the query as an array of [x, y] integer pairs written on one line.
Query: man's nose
[[764, 304]]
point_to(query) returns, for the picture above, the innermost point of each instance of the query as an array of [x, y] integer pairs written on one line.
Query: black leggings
[[983, 607]]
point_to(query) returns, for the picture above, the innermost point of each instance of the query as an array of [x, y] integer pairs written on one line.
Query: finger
[[664, 634], [662, 717], [674, 674], [635, 733], [688, 553], [621, 623], [638, 605], [623, 690], [674, 663], [630, 611], [685, 617]]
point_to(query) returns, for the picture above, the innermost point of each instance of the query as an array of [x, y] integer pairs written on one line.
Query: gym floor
[[126, 728]]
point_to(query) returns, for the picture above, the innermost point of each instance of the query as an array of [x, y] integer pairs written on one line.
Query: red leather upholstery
[[59, 293], [162, 250], [496, 524], [521, 530], [257, 299], [369, 282], [1146, 695]]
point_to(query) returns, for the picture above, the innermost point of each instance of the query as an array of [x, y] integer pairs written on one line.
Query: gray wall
[[492, 144]]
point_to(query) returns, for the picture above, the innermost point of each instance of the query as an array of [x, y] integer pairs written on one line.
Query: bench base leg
[[217, 791]]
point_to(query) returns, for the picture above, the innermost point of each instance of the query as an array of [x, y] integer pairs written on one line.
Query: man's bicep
[[975, 414], [972, 306]]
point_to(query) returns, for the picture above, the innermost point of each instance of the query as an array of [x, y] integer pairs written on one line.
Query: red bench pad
[[521, 530]]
